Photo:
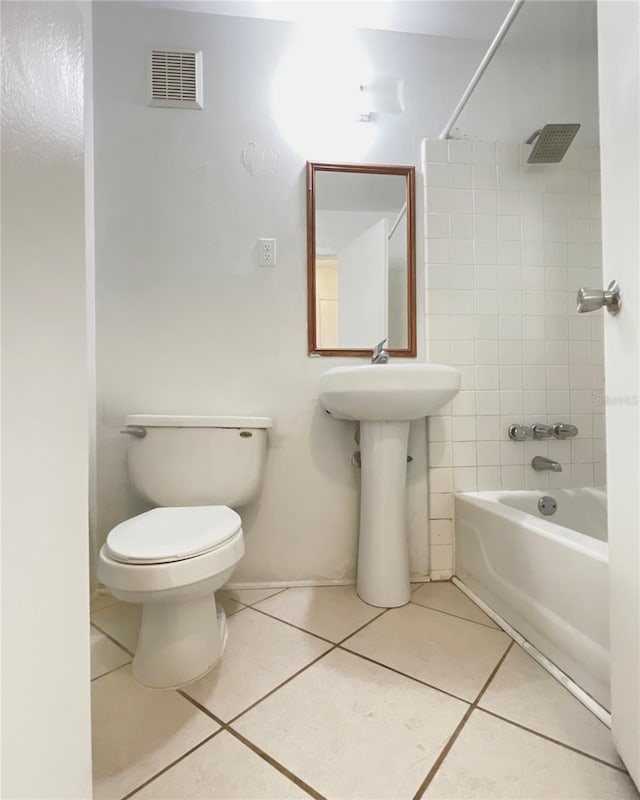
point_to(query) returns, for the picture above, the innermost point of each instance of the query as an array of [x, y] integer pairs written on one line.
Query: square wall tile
[[484, 176], [436, 150], [536, 239]]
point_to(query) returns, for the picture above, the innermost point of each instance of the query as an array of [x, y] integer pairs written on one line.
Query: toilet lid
[[172, 534]]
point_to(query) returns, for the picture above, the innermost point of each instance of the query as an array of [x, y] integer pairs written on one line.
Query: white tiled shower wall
[[507, 247]]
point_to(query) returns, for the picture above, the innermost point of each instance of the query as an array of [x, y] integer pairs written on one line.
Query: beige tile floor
[[319, 695]]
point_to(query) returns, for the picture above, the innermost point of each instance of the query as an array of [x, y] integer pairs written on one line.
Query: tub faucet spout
[[540, 463]]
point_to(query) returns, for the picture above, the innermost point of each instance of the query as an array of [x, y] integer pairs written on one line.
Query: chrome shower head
[[553, 142]]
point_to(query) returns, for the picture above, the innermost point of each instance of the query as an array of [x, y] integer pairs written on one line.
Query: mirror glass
[[361, 259]]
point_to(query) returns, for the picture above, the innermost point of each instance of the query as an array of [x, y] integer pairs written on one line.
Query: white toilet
[[173, 559]]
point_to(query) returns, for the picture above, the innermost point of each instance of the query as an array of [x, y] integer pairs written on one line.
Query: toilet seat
[[168, 535]]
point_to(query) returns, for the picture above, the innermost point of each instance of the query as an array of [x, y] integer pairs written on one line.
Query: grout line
[[494, 672], [556, 673], [317, 635], [404, 674], [200, 707], [457, 616], [233, 613], [334, 646], [279, 591], [442, 755], [366, 624], [112, 639], [452, 739], [554, 741], [115, 669], [300, 671], [280, 685], [291, 625], [251, 605], [251, 746], [114, 601], [169, 766], [276, 765]]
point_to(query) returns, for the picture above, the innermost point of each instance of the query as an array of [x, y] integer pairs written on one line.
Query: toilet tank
[[197, 461]]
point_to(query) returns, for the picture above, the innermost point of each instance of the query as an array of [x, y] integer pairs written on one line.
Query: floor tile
[[524, 692], [222, 769], [105, 655], [100, 601], [250, 596], [445, 596], [227, 602], [329, 611], [137, 732], [494, 760], [352, 729], [121, 622], [261, 653], [444, 651]]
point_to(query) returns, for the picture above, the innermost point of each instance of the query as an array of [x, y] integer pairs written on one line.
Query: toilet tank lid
[[174, 421]]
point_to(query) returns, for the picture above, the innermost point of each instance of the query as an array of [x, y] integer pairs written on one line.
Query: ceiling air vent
[[176, 79]]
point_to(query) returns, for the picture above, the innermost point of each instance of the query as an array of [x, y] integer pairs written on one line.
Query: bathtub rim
[[575, 540]]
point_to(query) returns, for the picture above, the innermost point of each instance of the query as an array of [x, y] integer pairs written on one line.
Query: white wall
[[508, 246], [186, 321], [45, 576]]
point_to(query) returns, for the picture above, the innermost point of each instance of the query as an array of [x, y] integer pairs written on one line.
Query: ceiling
[[542, 24]]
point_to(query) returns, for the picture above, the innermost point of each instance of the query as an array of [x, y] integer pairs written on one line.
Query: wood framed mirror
[[361, 259]]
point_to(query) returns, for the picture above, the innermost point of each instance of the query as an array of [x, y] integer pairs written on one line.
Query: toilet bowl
[[173, 559]]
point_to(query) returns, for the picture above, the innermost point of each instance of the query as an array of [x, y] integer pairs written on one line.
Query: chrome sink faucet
[[380, 355], [540, 463]]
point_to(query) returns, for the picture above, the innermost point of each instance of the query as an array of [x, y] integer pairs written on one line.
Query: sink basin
[[388, 392]]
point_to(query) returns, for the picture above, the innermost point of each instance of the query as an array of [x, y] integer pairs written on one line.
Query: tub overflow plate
[[547, 506]]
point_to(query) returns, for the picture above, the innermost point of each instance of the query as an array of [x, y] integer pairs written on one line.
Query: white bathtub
[[546, 576]]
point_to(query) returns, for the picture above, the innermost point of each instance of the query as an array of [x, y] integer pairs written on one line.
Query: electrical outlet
[[267, 252]]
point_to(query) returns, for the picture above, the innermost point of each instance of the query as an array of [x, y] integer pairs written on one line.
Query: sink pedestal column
[[383, 547]]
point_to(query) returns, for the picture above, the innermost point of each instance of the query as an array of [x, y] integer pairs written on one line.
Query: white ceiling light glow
[[317, 96]]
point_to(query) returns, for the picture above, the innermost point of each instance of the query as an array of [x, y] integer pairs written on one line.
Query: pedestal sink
[[384, 398]]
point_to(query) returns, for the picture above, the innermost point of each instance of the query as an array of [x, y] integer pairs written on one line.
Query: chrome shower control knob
[[562, 430], [518, 433], [593, 299]]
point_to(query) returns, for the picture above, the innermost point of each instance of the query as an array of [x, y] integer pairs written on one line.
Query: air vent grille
[[176, 79]]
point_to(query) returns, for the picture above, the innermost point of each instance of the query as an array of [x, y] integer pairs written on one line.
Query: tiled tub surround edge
[[507, 247]]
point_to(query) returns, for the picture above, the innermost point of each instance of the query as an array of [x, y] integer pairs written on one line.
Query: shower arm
[[502, 31]]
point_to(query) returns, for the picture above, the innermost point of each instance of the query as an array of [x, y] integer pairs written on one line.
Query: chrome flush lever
[[135, 430], [593, 299]]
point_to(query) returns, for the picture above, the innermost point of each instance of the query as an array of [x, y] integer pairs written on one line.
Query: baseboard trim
[[570, 685], [307, 583]]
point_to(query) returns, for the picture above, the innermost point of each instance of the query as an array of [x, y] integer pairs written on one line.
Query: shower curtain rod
[[502, 31], [403, 211]]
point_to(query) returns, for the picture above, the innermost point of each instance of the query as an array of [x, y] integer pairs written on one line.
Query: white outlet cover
[[267, 252]]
